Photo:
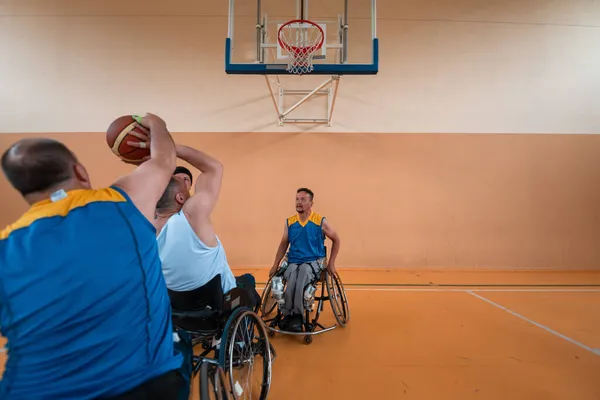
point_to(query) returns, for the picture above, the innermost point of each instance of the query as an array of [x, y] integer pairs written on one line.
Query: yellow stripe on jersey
[[315, 218], [292, 220], [75, 199]]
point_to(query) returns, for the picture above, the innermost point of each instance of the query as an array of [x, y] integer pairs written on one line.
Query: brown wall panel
[[398, 201]]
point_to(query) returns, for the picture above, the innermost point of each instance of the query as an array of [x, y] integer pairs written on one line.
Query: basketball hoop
[[301, 39]]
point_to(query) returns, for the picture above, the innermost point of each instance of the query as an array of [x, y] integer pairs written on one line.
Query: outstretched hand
[[142, 133], [151, 121]]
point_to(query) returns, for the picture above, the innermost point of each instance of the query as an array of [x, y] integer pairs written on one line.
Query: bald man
[[83, 302]]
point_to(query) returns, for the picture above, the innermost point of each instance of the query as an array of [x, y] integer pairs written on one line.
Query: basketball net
[[301, 39]]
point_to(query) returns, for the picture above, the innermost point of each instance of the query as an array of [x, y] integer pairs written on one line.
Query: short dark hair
[[308, 191], [183, 170], [168, 197], [35, 165]]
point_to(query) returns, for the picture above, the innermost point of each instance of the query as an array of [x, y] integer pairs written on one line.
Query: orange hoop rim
[[296, 49]]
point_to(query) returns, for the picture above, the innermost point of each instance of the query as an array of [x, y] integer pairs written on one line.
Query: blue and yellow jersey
[[307, 240], [83, 301]]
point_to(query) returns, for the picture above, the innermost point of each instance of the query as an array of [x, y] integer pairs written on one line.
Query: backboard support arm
[[328, 87]]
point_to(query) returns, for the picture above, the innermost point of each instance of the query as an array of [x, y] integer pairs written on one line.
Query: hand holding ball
[[129, 140]]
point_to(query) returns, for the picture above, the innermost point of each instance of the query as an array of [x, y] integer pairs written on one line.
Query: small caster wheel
[[308, 339], [205, 345], [271, 333]]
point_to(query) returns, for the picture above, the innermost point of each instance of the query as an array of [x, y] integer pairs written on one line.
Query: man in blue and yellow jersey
[[305, 234], [83, 302]]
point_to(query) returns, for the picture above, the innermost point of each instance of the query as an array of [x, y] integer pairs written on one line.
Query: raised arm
[[283, 246], [146, 184], [330, 232], [208, 184]]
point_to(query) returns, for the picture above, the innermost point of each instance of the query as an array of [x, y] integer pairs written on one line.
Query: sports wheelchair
[[230, 330], [336, 295]]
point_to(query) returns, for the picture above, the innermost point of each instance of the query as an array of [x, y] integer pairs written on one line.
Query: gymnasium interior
[[462, 175]]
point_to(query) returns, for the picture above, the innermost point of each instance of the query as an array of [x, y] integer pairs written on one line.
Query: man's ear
[[81, 175]]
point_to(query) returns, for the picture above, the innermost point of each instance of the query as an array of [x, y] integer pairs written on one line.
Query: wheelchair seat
[[201, 310], [198, 310], [331, 290]]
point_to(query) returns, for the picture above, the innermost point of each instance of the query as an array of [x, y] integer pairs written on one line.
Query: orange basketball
[[119, 133]]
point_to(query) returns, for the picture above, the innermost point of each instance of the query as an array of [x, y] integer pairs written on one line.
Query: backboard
[[349, 46]]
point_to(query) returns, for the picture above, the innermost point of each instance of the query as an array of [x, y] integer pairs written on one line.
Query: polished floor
[[450, 335]]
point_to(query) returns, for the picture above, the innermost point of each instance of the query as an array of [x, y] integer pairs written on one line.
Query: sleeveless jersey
[[307, 241], [188, 263], [83, 302]]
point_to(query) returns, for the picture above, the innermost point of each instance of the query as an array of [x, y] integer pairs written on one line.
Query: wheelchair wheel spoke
[[250, 376], [337, 298], [268, 303]]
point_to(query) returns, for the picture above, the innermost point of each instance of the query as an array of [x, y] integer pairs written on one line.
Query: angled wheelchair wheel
[[337, 298], [213, 383], [249, 357], [267, 302]]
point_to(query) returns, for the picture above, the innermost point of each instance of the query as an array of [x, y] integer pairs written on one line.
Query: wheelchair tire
[[243, 323], [213, 384], [267, 303], [337, 298]]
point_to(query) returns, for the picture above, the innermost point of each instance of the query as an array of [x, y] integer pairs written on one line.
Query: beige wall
[[493, 66]]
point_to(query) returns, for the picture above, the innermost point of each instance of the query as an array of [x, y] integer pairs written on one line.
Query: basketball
[[121, 131]]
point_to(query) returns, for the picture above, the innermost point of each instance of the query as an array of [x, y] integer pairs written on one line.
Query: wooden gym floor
[[450, 335]]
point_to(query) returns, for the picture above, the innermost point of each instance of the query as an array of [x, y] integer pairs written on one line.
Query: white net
[[300, 40]]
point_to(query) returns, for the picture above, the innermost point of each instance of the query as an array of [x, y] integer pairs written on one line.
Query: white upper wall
[[495, 66]]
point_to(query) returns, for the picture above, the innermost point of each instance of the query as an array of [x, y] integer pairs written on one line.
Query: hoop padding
[[300, 38]]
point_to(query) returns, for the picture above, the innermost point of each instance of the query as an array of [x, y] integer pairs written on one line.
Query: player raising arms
[[83, 302]]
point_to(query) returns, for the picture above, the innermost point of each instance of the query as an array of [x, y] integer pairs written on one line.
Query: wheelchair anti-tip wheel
[[248, 357]]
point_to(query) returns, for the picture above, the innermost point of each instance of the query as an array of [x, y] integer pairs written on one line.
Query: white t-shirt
[[187, 263]]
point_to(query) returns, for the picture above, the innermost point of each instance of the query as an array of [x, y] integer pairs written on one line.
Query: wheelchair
[[336, 295], [234, 333]]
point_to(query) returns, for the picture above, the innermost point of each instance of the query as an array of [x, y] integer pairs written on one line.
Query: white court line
[[549, 290], [560, 335], [399, 289]]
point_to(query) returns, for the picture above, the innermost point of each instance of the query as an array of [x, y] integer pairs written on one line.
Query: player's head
[[174, 196], [185, 174], [304, 200], [37, 167]]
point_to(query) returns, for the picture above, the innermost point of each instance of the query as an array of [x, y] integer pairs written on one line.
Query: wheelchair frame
[[221, 341], [311, 327]]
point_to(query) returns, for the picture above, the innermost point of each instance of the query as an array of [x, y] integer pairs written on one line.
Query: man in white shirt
[[190, 251]]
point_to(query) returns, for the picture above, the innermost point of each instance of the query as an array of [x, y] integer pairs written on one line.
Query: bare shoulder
[[202, 226], [328, 229]]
